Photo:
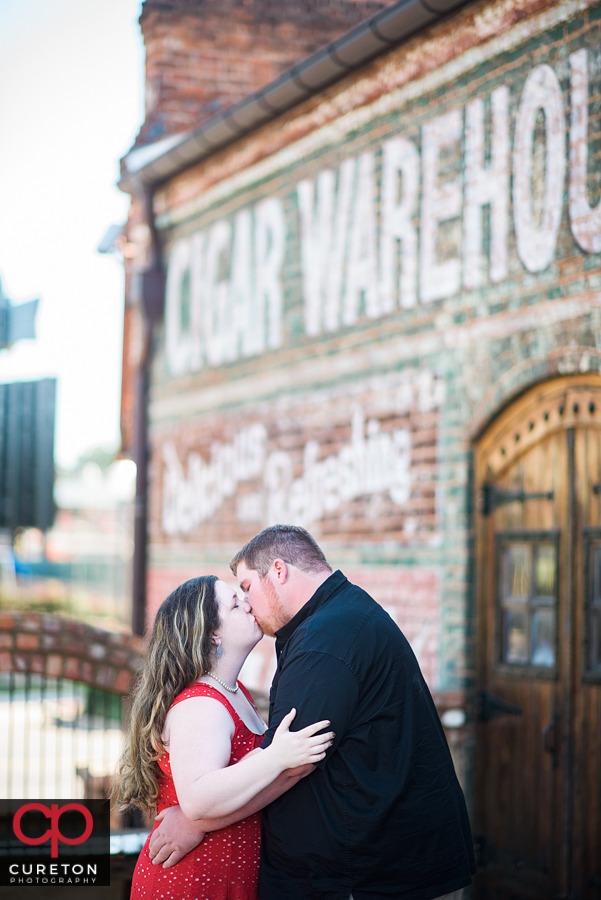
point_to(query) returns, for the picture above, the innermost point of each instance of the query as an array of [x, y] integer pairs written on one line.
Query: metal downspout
[[152, 304]]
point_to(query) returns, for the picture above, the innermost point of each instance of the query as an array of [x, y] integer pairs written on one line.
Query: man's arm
[[178, 835], [319, 686]]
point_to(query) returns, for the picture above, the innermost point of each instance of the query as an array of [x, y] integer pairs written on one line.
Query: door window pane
[[517, 572], [516, 636], [528, 600], [544, 571], [543, 637], [596, 629], [596, 598]]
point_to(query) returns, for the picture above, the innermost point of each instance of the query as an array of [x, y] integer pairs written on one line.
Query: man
[[383, 815]]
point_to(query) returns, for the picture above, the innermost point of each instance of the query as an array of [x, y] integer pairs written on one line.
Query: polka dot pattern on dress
[[225, 866]]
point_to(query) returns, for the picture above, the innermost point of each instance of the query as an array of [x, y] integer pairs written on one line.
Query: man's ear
[[281, 570]]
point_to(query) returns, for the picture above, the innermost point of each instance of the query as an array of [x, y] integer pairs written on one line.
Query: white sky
[[70, 106]]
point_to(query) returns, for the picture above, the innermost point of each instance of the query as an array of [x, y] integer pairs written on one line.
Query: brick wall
[[202, 55], [477, 335], [65, 648], [481, 333]]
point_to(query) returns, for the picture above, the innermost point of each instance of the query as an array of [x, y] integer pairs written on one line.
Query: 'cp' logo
[[53, 813]]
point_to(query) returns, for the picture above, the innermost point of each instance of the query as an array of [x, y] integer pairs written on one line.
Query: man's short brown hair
[[290, 543]]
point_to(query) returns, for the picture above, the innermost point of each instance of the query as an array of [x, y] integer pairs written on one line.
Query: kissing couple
[[349, 792]]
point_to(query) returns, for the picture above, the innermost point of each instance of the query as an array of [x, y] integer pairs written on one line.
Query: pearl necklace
[[233, 690]]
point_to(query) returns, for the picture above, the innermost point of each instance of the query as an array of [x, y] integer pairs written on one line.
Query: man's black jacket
[[383, 814]]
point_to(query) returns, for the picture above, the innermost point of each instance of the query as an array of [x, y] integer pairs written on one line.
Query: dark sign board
[[27, 411]]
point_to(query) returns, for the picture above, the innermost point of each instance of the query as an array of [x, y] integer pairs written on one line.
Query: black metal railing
[[58, 738]]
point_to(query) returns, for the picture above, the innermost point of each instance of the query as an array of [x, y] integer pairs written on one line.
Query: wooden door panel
[[591, 500], [587, 862], [586, 849], [521, 780], [538, 775], [521, 796]]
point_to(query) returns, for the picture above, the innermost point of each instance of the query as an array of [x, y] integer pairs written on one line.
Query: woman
[[191, 724]]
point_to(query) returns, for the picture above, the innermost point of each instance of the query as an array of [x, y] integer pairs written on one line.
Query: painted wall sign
[[314, 460], [399, 225], [224, 291]]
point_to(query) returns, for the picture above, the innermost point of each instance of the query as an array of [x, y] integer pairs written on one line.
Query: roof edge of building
[[155, 163]]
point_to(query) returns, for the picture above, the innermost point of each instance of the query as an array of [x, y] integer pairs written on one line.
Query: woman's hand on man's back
[[300, 748]]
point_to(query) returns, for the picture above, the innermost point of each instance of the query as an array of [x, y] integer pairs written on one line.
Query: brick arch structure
[[50, 645], [525, 374]]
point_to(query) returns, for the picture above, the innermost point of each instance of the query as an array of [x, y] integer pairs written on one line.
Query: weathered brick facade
[[202, 55], [357, 288]]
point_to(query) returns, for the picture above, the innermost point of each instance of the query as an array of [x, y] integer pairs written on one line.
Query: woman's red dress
[[225, 866]]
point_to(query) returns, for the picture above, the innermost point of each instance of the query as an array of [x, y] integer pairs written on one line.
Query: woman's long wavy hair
[[179, 653]]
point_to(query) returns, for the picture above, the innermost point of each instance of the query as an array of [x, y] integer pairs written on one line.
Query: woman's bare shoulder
[[198, 713]]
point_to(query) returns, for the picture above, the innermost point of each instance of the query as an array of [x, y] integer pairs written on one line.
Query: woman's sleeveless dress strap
[[200, 689]]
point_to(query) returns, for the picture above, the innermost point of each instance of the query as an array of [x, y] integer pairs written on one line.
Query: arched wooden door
[[537, 790]]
